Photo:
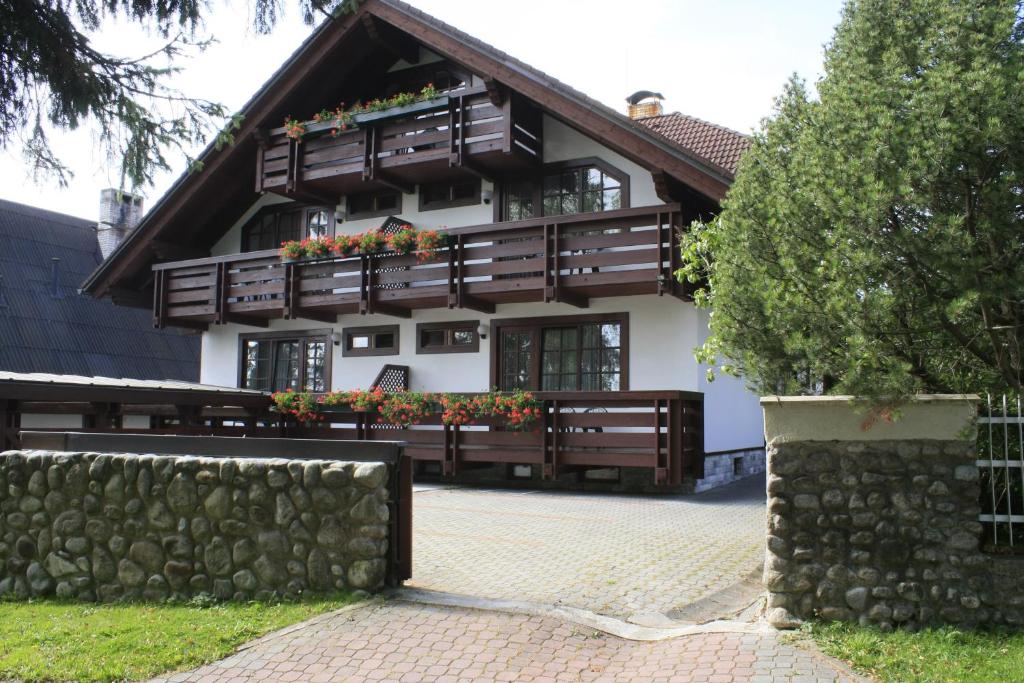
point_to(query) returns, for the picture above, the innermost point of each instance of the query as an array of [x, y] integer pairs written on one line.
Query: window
[[449, 194], [581, 190], [299, 361], [373, 204], [570, 187], [575, 353], [371, 341], [456, 337], [273, 225], [584, 357]]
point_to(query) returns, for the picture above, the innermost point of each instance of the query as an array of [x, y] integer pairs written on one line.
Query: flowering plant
[[428, 92], [345, 245], [365, 401], [302, 406], [457, 409], [372, 241], [294, 128], [292, 250], [404, 408], [317, 247], [404, 241], [428, 242], [519, 408]]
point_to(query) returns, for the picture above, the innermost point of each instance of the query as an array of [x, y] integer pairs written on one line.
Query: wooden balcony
[[569, 259], [464, 132], [660, 431]]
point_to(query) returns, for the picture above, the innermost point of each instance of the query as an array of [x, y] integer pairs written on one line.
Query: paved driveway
[[622, 556], [400, 641]]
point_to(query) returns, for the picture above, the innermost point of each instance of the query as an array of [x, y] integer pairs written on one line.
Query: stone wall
[[881, 525], [111, 527], [725, 468]]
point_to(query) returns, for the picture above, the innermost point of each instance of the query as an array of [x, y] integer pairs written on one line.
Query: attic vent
[[644, 104]]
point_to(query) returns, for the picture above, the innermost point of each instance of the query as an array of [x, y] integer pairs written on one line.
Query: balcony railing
[[660, 431], [463, 129], [569, 259]]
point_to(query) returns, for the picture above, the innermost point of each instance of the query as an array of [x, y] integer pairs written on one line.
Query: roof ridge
[[30, 210], [699, 120]]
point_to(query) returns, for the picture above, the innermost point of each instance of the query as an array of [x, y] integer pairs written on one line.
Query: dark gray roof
[[47, 326]]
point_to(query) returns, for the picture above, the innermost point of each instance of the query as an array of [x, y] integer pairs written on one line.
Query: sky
[[723, 61]]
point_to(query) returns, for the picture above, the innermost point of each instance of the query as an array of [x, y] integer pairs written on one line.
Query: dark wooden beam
[[495, 92], [391, 40], [245, 320], [565, 296], [475, 304], [169, 251], [388, 309], [389, 180]]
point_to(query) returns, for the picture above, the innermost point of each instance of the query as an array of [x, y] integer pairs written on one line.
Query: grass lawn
[[52, 640], [944, 654]]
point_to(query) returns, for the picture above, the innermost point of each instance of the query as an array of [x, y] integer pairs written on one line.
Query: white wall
[[732, 413], [663, 330]]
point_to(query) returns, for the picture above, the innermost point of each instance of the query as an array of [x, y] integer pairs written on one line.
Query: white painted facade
[[663, 331]]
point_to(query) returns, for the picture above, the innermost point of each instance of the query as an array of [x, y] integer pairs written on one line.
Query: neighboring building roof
[[47, 326], [719, 145]]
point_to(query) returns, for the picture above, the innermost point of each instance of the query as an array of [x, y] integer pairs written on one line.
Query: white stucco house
[[561, 218]]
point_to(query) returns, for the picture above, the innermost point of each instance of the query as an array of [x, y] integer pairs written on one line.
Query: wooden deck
[[569, 259], [464, 132], [661, 431]]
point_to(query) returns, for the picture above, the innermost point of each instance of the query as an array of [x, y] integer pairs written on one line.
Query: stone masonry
[[881, 531], [111, 527]]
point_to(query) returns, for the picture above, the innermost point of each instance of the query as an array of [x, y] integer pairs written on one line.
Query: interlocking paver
[[612, 554], [576, 653]]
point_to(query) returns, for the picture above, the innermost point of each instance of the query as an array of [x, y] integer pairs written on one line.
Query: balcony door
[[576, 353]]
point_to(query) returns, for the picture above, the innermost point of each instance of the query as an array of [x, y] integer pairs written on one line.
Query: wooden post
[[675, 442]]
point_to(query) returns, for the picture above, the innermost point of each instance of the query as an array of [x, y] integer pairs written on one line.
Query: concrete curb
[[598, 622]]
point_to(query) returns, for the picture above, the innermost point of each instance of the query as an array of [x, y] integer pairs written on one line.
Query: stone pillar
[[874, 517]]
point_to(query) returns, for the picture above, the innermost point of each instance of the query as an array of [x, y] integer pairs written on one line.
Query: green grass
[[52, 640], [932, 655]]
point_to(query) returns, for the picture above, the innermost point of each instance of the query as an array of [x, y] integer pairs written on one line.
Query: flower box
[[394, 112]]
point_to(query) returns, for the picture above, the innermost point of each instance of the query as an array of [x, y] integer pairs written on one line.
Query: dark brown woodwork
[[568, 259]]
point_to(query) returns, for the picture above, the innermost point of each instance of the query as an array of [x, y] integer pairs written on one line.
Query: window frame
[[538, 324], [279, 210], [348, 332], [376, 213], [301, 336], [451, 203], [558, 167], [448, 328]]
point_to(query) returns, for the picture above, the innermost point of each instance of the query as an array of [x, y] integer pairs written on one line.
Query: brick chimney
[[644, 103], [120, 212]]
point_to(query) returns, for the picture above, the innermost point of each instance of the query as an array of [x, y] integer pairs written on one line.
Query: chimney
[[644, 103], [120, 212]]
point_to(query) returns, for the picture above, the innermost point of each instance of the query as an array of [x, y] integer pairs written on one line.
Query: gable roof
[[46, 325], [719, 145], [207, 202]]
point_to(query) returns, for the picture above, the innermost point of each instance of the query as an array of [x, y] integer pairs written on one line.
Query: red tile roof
[[721, 146]]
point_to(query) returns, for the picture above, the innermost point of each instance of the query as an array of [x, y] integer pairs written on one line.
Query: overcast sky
[[723, 61]]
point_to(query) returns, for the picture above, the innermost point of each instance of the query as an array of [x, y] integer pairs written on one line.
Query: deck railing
[[450, 129], [567, 259], [660, 431]]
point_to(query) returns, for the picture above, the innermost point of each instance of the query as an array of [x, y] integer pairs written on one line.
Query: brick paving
[[399, 641], [611, 554]]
